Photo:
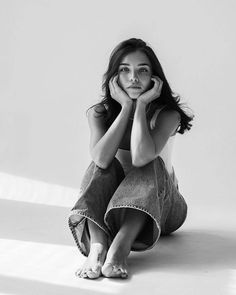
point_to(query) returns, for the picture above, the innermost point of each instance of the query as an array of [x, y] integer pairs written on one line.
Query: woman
[[129, 193]]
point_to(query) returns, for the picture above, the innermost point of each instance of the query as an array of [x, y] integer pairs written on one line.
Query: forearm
[[142, 145], [106, 148]]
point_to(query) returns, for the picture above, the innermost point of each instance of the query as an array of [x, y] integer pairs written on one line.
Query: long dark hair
[[111, 107]]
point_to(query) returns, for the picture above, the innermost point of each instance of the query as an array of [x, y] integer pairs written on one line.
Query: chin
[[134, 95]]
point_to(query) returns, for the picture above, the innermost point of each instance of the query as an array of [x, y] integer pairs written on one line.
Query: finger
[[155, 80], [115, 79], [158, 82], [156, 77], [111, 81], [115, 82], [111, 86]]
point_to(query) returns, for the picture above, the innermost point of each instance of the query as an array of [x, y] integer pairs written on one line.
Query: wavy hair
[[111, 107]]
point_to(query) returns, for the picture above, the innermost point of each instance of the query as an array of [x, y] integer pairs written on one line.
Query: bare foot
[[94, 262], [115, 265]]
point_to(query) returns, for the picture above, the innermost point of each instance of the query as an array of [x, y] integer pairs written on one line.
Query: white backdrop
[[53, 55]]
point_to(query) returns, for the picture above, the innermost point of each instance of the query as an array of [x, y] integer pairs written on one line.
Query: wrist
[[127, 105], [141, 104]]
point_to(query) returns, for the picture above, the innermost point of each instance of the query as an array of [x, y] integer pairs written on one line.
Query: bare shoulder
[[96, 118], [169, 115], [97, 114], [167, 122], [96, 110]]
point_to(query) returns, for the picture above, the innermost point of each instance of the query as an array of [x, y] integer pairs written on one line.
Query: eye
[[124, 69], [143, 70]]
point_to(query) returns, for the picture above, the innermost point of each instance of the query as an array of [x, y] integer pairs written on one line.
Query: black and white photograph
[[117, 147]]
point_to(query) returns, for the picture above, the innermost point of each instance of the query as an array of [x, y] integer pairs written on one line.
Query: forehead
[[136, 58]]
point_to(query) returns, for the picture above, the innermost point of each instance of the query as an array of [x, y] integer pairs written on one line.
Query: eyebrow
[[142, 64]]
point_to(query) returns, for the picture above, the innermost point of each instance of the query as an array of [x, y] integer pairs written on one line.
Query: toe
[[119, 272], [93, 274], [124, 274], [116, 270], [96, 268], [84, 274], [78, 272], [111, 271]]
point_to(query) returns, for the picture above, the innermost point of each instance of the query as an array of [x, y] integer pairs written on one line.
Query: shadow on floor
[[185, 250], [188, 251], [35, 223]]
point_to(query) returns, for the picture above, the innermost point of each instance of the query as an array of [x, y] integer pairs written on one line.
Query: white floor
[[39, 256]]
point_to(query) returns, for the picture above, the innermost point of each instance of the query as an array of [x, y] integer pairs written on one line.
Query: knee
[[107, 166], [174, 223]]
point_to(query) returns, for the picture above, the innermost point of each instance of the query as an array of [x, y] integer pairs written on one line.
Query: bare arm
[[105, 143], [146, 145], [141, 142]]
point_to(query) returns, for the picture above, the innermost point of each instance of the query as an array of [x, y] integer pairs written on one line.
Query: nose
[[133, 77]]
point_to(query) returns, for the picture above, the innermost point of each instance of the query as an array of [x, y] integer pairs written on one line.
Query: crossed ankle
[[98, 246]]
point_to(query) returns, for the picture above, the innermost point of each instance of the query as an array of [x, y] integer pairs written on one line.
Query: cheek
[[121, 81], [145, 77], [147, 82]]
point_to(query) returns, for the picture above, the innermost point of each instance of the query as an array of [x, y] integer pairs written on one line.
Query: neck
[[149, 112], [134, 104], [133, 108]]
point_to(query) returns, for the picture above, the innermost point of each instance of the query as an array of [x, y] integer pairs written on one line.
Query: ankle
[[124, 238], [98, 246], [97, 235], [120, 245]]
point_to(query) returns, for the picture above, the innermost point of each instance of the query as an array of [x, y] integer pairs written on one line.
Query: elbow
[[137, 164], [99, 162], [142, 161], [101, 165], [142, 156]]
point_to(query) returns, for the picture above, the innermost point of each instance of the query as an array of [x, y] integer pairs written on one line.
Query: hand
[[153, 93], [117, 93]]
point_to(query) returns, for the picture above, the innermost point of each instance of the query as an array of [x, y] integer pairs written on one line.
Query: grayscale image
[[117, 147]]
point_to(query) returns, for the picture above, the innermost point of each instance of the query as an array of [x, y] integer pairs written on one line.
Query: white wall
[[53, 55]]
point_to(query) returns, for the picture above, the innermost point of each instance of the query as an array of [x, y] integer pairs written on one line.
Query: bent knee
[[172, 224]]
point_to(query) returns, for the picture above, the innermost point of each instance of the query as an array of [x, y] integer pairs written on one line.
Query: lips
[[134, 87]]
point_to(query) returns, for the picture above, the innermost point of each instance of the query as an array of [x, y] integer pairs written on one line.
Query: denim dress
[[105, 194]]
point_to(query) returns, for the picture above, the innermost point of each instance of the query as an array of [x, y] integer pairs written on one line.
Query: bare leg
[[116, 260], [98, 250]]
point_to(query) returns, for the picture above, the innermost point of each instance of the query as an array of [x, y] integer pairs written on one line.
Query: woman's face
[[134, 74]]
